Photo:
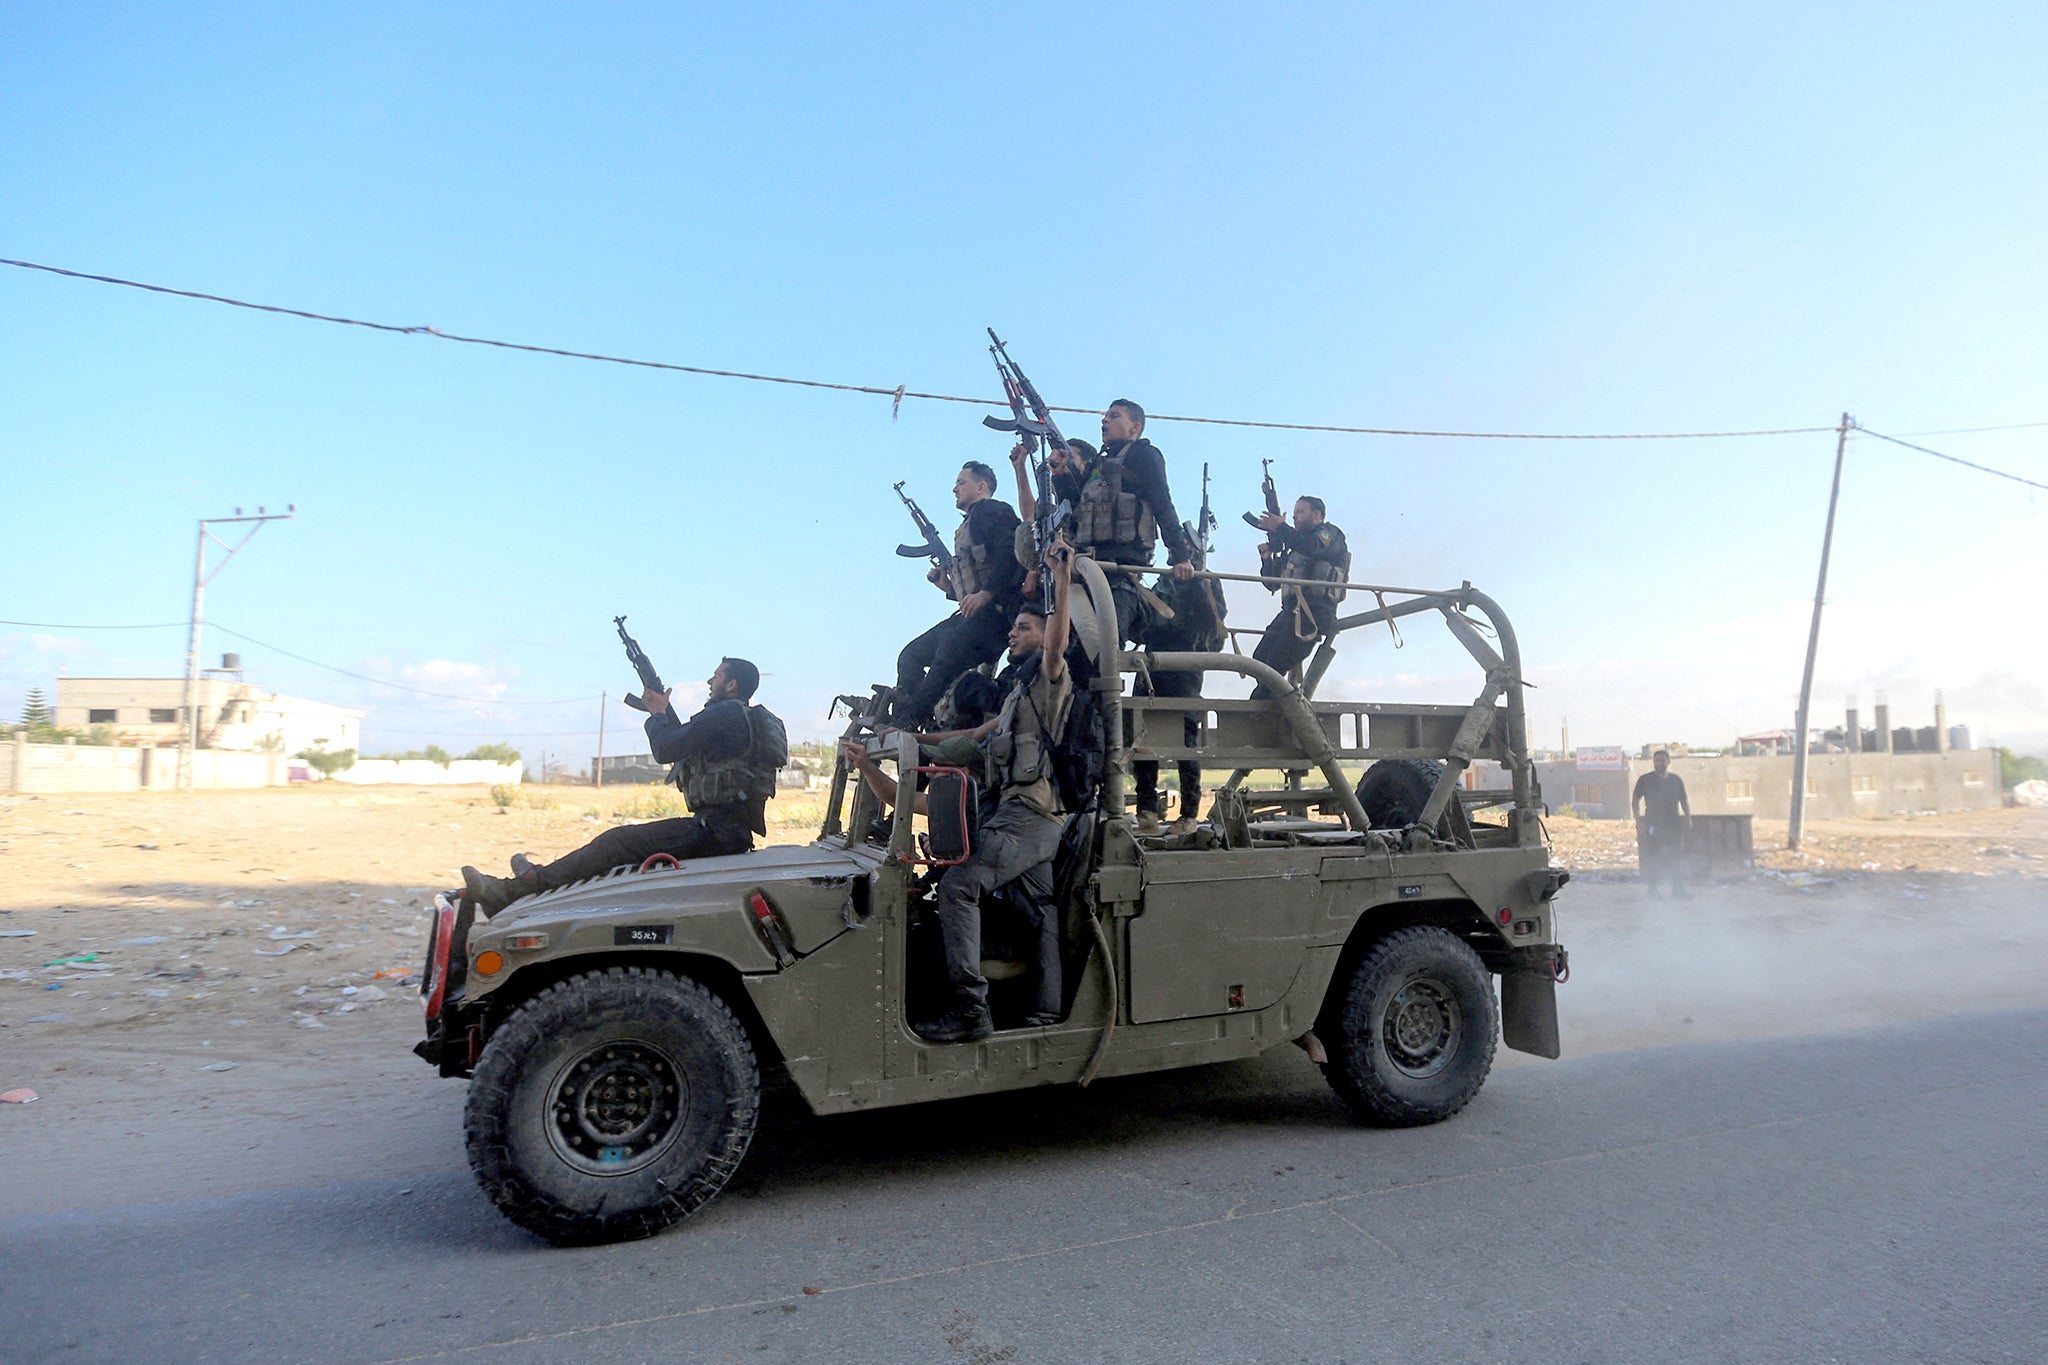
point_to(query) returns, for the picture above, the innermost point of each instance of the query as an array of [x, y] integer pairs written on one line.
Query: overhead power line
[[901, 392], [331, 668], [63, 625], [1952, 459], [402, 687]]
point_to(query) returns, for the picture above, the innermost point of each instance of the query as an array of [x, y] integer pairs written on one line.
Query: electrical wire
[[1952, 459], [59, 625], [402, 687], [901, 392]]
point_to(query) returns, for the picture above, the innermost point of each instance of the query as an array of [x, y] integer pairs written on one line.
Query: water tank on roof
[[231, 663]]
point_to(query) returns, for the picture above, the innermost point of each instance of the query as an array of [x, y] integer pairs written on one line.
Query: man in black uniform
[[987, 582], [1122, 505], [726, 757], [1197, 627], [1662, 814], [1309, 549]]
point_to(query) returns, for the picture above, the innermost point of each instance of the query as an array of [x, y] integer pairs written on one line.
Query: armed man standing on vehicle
[[726, 757], [986, 581], [1122, 504], [1312, 549]]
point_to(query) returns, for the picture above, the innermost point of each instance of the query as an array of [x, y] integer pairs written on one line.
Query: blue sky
[[1502, 218]]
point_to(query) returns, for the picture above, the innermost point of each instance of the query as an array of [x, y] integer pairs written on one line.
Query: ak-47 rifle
[[642, 665], [1272, 497], [934, 545], [1201, 534], [1031, 422]]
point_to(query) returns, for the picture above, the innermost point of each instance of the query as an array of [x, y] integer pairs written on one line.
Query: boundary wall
[[1838, 786], [46, 768]]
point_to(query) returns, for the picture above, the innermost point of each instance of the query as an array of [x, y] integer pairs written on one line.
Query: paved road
[[1868, 1196]]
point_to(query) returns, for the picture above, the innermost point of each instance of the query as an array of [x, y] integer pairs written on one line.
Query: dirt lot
[[247, 998]]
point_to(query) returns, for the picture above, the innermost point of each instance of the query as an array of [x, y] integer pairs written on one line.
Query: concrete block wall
[[1839, 786]]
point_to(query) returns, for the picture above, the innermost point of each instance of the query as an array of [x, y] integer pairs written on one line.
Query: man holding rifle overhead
[[987, 583], [1122, 504]]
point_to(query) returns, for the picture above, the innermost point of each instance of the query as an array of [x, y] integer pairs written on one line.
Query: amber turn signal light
[[489, 963]]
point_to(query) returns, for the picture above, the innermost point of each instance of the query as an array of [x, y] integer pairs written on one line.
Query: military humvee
[[616, 1032]]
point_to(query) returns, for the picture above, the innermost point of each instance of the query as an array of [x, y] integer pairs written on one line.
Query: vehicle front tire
[[612, 1104], [1413, 1032]]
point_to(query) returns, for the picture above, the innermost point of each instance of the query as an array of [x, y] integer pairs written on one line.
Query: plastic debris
[[68, 961], [280, 952], [54, 986], [220, 1066], [145, 942], [17, 933], [22, 1096], [370, 993]]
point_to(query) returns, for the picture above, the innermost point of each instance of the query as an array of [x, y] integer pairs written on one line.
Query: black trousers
[[707, 834], [935, 660], [1282, 648], [1171, 684]]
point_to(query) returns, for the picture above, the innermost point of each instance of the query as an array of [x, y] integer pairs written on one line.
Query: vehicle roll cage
[[1289, 729]]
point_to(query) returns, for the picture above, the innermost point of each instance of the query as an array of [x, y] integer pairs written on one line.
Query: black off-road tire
[[612, 1104], [1411, 1037], [1394, 791]]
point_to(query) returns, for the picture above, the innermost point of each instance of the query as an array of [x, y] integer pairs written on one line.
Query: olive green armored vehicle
[[616, 1032]]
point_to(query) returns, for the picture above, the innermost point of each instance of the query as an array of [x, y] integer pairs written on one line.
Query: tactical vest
[[970, 563], [1106, 516], [1015, 755], [1295, 564], [746, 776]]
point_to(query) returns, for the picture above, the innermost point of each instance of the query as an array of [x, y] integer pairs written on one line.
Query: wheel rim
[[616, 1107], [1422, 1027]]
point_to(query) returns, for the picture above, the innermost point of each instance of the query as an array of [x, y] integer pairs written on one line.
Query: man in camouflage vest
[[725, 759]]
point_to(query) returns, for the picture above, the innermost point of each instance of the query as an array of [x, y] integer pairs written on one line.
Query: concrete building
[[234, 715]]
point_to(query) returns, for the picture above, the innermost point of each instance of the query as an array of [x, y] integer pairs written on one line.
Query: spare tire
[[1395, 790]]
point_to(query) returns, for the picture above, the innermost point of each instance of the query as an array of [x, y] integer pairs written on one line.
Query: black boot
[[493, 894], [523, 866], [964, 1023]]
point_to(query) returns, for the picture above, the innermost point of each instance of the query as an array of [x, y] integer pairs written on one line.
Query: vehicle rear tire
[[612, 1104], [1413, 1033], [1394, 791]]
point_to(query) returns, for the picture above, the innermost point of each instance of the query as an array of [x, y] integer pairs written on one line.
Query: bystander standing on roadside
[[1662, 814]]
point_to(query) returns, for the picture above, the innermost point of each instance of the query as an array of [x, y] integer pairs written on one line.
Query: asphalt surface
[[1866, 1196]]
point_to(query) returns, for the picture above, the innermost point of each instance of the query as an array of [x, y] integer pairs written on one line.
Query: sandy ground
[[250, 963]]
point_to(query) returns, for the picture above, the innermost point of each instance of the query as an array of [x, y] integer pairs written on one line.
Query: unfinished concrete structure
[[234, 715]]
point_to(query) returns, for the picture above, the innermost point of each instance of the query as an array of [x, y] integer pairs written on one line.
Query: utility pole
[[188, 744], [603, 700], [1827, 542]]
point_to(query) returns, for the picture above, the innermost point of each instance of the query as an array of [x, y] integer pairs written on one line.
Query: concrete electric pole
[[1820, 592], [188, 743]]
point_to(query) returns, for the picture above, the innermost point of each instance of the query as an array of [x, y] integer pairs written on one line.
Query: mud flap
[[1528, 1013]]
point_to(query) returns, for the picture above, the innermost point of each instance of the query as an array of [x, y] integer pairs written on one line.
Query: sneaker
[[962, 1024], [1148, 822]]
